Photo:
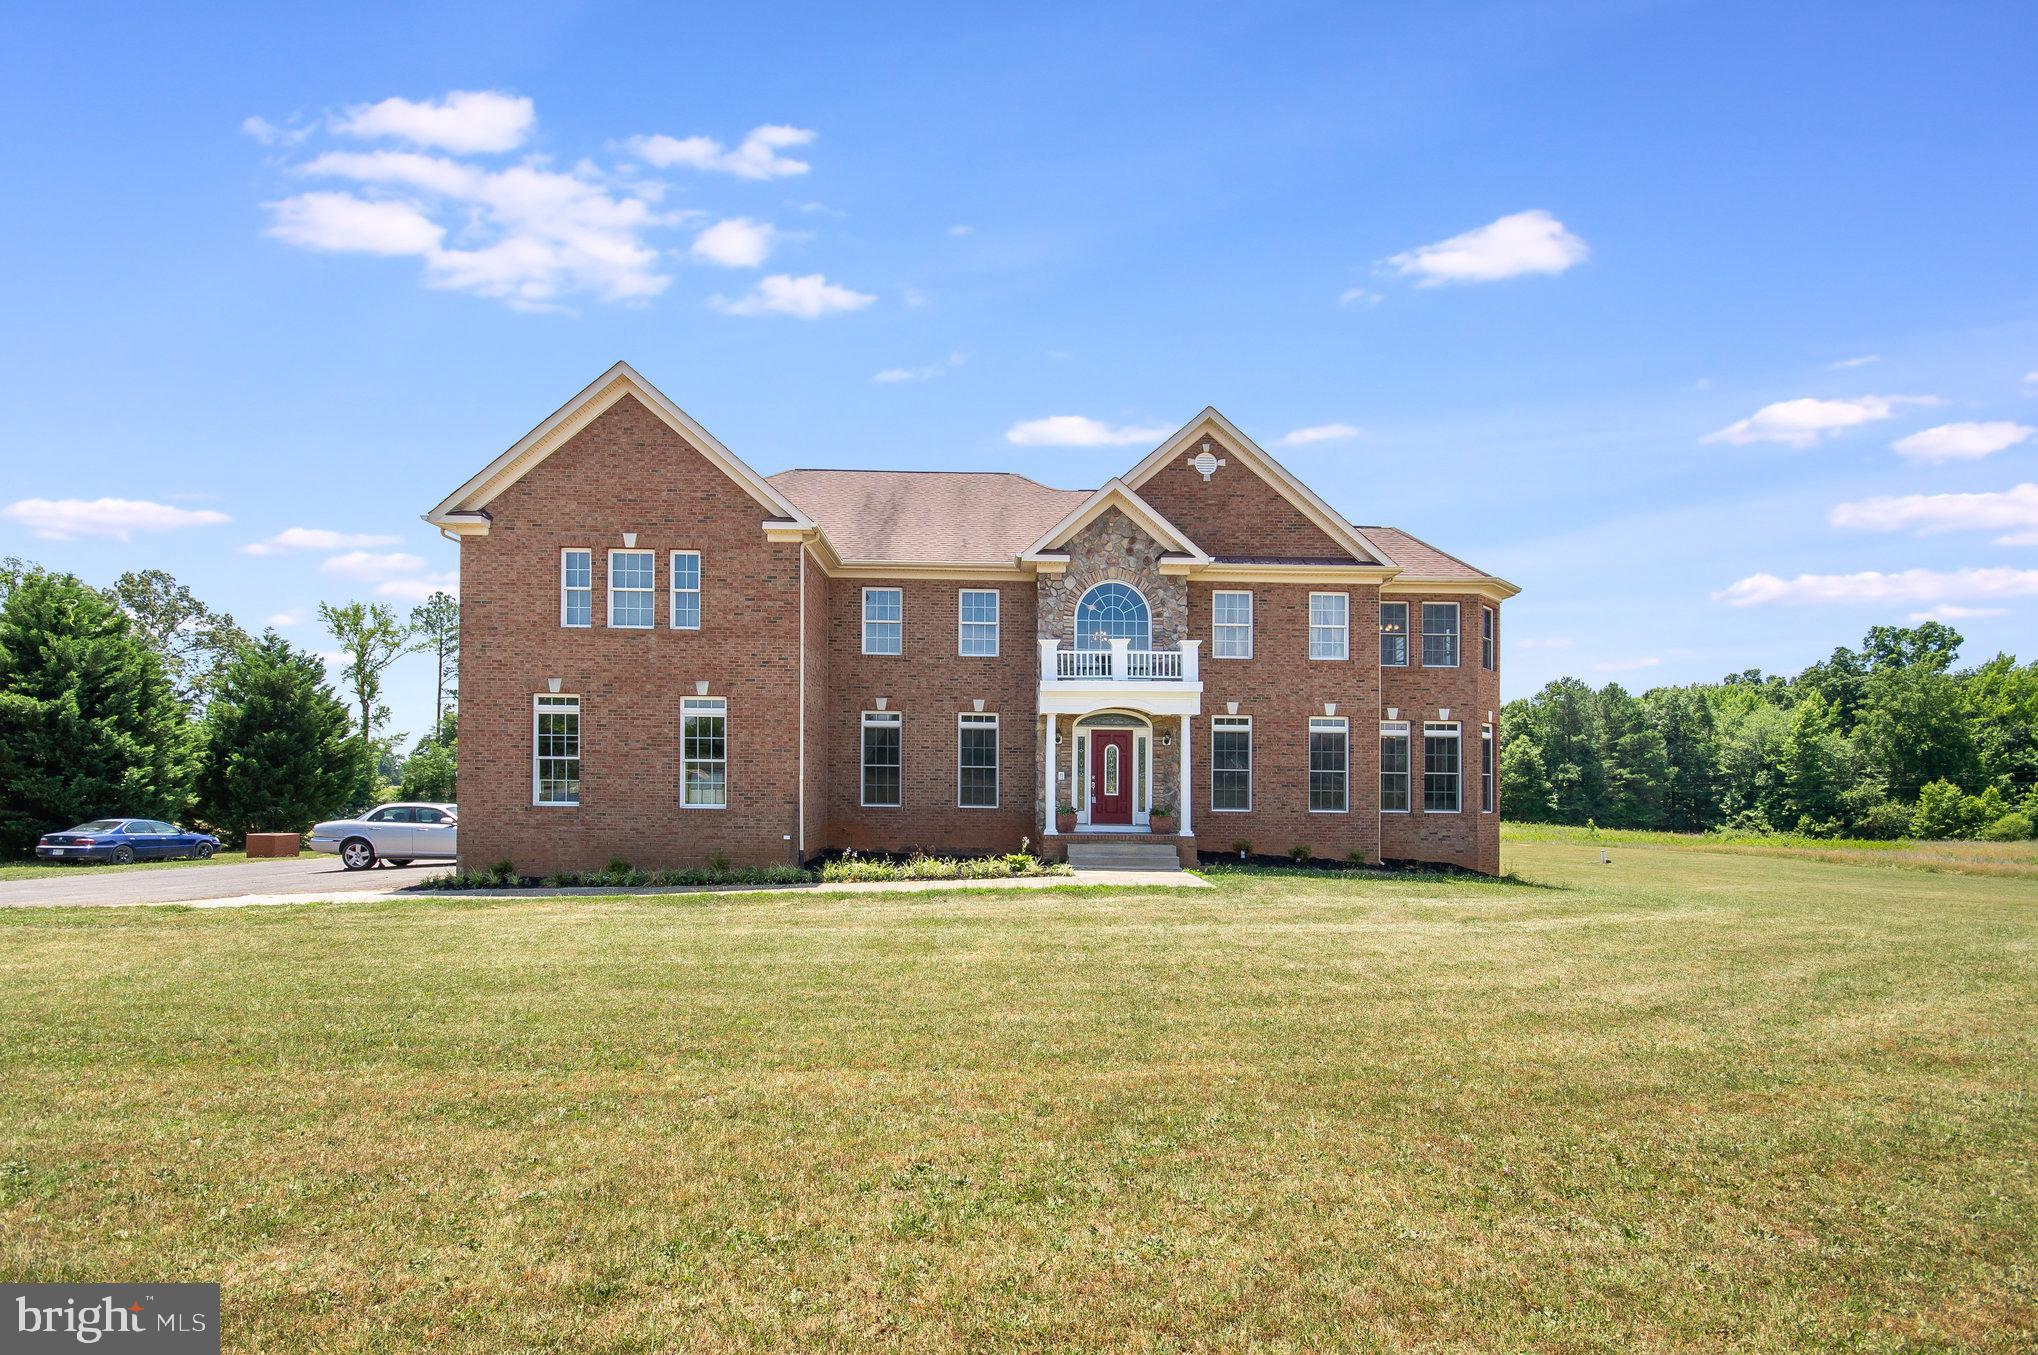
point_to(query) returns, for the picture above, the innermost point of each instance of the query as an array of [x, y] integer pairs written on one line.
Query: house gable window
[[686, 590], [704, 752], [1486, 638], [1113, 611], [1329, 765], [576, 587], [881, 742], [1440, 768], [1485, 769], [976, 761], [1394, 635], [633, 587], [883, 613], [1439, 635], [1231, 625], [555, 750], [1329, 635], [977, 623], [1231, 763], [1394, 767]]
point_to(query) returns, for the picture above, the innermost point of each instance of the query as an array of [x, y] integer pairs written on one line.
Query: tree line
[[1888, 740], [139, 700]]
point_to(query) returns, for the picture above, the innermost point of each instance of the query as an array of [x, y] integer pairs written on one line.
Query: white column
[[1052, 802], [1185, 794], [1119, 645], [1047, 660], [1192, 666]]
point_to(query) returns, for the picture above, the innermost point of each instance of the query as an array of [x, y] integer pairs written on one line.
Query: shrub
[[1298, 854], [1355, 858], [1244, 846], [719, 863], [849, 868], [1941, 811], [1883, 820], [2008, 828]]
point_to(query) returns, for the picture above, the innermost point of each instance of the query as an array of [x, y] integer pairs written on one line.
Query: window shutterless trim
[[565, 590], [561, 703], [898, 623], [674, 592], [978, 720], [963, 623], [1488, 639], [1442, 730], [1397, 730], [880, 719], [1231, 724], [649, 592], [1343, 627], [1456, 634], [1218, 627], [703, 707], [1340, 726], [1385, 634], [1486, 769]]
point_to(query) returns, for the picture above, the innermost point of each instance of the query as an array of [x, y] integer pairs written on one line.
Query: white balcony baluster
[[1119, 663]]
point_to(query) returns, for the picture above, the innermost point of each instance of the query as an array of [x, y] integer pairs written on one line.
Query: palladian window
[[1113, 611]]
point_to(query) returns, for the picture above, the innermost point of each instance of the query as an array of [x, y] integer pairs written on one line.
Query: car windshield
[[97, 826]]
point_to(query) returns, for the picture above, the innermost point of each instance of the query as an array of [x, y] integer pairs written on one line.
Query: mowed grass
[[1687, 1101], [39, 870], [1961, 857]]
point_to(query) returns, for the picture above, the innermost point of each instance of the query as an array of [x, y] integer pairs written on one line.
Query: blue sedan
[[123, 840]]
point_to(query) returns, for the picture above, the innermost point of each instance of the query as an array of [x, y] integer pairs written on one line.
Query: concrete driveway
[[315, 877]]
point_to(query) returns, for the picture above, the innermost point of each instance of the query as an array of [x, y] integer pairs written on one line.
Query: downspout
[[800, 817]]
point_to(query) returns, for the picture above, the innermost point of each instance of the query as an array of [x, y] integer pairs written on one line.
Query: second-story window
[[1231, 625], [576, 588], [1439, 635], [977, 636], [883, 611], [1486, 638], [1394, 635], [1328, 633], [686, 590], [881, 760], [633, 589]]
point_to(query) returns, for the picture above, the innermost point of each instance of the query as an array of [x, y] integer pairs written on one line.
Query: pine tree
[[279, 754]]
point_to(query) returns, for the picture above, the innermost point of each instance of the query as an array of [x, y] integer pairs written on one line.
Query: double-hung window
[[1485, 769], [976, 761], [977, 623], [882, 610], [1394, 766], [1439, 768], [881, 730], [686, 590], [1394, 635], [1231, 625], [1439, 635], [1486, 638], [1329, 636], [1329, 764], [555, 750], [704, 752], [633, 589], [1231, 762], [576, 587]]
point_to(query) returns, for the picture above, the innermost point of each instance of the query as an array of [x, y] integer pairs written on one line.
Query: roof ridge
[[884, 470]]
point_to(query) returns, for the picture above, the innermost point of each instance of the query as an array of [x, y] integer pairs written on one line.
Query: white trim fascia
[[1116, 493], [560, 426], [1306, 501], [1328, 572], [1486, 586]]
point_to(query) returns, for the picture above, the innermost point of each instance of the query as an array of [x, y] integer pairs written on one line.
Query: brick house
[[667, 657]]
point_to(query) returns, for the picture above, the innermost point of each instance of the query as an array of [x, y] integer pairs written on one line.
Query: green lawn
[[1691, 1100], [36, 870]]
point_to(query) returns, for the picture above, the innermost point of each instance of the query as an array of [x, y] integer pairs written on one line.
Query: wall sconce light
[[1167, 740]]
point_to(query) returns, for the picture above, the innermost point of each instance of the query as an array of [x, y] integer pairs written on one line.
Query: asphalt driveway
[[313, 876]]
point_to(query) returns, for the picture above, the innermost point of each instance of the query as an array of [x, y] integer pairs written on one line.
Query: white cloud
[[891, 375], [362, 564], [1358, 296], [961, 230], [1801, 423], [1626, 665], [915, 297], [1962, 441], [1871, 586], [1074, 430], [347, 224], [418, 590], [1322, 432], [71, 519], [269, 134], [738, 242], [465, 121], [809, 297], [295, 616], [1844, 363], [1545, 642], [314, 538], [2031, 378], [756, 158], [1526, 242], [1952, 612], [2012, 511]]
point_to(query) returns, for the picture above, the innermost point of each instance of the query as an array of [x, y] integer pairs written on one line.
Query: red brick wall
[[930, 683], [1235, 514], [1469, 838], [626, 472], [814, 645]]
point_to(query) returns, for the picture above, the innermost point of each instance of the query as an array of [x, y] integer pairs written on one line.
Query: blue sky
[[1713, 326]]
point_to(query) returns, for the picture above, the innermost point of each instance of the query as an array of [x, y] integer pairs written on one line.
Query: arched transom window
[[1113, 611]]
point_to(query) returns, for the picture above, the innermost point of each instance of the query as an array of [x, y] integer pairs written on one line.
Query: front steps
[[1123, 855]]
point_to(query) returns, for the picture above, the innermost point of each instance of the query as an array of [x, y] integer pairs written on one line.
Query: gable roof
[[464, 511], [927, 517], [1115, 493]]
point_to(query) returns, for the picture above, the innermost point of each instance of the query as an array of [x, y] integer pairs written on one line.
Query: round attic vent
[[1204, 464]]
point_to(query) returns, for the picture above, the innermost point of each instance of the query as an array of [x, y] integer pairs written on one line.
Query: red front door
[[1111, 776]]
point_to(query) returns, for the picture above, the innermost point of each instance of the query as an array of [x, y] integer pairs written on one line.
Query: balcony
[[1161, 681]]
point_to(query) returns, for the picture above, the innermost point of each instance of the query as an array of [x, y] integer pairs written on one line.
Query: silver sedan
[[396, 833]]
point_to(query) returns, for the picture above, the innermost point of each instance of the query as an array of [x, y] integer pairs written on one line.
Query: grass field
[[1687, 1101], [1957, 857], [36, 870]]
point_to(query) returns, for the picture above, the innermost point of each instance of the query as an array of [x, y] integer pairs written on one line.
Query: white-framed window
[[576, 587], [633, 589], [976, 761], [1394, 766], [977, 623], [1231, 763], [1440, 764], [1394, 635], [704, 752], [1439, 635], [1486, 638], [1329, 764], [1231, 624], [555, 750], [881, 747], [1485, 769], [1329, 632], [883, 612], [686, 590]]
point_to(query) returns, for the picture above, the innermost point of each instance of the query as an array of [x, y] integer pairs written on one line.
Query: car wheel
[[123, 855], [356, 854], [205, 851]]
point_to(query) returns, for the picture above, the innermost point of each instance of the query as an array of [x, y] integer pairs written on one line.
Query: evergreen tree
[[1637, 762], [279, 755], [1685, 720], [1524, 784], [89, 724], [1813, 760], [430, 771]]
